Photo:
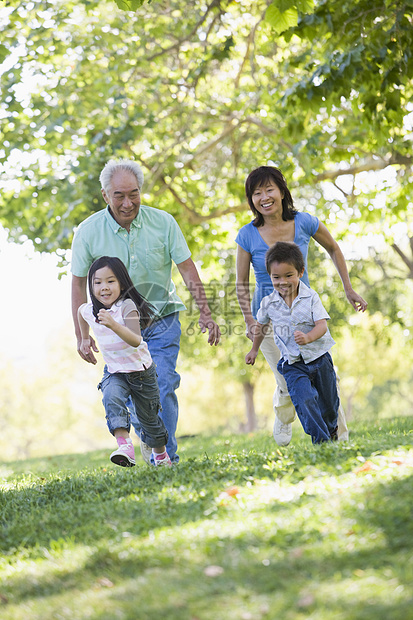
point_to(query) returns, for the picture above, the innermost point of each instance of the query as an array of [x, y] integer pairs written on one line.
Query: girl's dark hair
[[146, 311], [259, 177], [285, 252]]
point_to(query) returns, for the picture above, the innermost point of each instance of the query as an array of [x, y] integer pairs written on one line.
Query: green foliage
[[239, 527], [200, 98], [281, 20], [131, 5]]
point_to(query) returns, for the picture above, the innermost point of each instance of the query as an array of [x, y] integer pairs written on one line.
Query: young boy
[[301, 333]]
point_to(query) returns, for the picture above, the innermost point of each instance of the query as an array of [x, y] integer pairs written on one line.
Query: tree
[[200, 98]]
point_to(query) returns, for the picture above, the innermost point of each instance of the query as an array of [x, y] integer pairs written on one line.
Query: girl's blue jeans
[[142, 388], [163, 339], [313, 391]]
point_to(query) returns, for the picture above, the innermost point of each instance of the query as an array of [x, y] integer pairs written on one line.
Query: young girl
[[116, 313]]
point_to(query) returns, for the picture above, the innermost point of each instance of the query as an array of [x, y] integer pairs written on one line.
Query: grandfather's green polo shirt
[[154, 241]]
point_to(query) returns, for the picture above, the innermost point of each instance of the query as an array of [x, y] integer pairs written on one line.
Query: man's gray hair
[[126, 165]]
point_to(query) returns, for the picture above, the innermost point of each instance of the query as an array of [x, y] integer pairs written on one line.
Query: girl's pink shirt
[[118, 355]]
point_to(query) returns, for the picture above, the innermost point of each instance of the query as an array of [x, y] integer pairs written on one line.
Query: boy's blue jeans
[[142, 388], [163, 339], [313, 391]]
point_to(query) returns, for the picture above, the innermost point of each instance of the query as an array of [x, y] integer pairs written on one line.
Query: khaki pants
[[283, 407]]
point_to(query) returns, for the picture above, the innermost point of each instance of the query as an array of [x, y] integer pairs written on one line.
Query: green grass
[[240, 530]]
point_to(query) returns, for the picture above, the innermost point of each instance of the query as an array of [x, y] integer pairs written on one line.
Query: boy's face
[[285, 279]]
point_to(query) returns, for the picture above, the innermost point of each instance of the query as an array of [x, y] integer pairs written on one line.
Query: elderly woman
[[276, 219]]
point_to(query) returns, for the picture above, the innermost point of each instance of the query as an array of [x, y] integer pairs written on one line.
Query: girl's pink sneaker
[[124, 455]]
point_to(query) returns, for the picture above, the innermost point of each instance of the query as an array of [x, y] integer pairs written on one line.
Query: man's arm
[[84, 348], [79, 297], [190, 276]]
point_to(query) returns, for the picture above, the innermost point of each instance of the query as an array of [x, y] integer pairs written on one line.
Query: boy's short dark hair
[[285, 252]]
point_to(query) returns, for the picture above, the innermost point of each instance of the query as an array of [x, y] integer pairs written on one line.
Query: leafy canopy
[[200, 97]]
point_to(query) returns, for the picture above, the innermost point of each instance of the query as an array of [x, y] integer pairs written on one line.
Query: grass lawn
[[239, 530]]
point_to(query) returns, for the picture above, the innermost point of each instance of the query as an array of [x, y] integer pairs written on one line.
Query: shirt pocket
[[157, 257]]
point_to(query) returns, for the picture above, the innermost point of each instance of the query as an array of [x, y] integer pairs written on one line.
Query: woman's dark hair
[[259, 177], [146, 311], [285, 252]]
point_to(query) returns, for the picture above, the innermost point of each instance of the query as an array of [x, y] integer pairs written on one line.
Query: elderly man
[[147, 240]]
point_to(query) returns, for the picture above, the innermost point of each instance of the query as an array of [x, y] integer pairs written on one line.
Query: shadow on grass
[[363, 584], [344, 583], [179, 565], [87, 506]]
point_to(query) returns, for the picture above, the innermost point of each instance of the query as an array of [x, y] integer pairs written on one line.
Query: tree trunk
[[249, 407]]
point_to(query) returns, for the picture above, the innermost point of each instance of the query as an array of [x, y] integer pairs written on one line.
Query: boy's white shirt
[[305, 310]]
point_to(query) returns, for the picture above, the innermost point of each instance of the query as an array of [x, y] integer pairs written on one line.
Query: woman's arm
[[243, 288], [324, 238], [259, 334]]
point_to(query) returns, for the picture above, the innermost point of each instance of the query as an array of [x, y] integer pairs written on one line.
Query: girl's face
[[106, 287], [267, 199]]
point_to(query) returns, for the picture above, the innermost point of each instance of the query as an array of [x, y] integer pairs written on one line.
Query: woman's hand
[[356, 300], [250, 329], [251, 357]]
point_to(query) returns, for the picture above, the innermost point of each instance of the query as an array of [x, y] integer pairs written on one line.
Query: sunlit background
[[48, 398]]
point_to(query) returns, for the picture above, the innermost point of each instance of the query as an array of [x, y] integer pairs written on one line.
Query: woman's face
[[267, 199]]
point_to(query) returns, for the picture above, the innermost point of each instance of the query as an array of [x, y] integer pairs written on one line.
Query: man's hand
[[214, 335], [86, 350]]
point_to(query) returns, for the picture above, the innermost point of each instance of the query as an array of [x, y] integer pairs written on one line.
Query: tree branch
[[193, 216], [405, 259], [250, 40], [366, 166], [167, 50]]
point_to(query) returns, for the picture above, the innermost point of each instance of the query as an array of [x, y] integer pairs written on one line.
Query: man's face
[[123, 197]]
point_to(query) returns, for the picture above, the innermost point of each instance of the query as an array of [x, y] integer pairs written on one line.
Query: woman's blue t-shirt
[[250, 240]]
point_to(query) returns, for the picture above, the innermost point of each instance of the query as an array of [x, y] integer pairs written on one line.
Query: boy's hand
[[251, 357], [300, 338], [105, 318]]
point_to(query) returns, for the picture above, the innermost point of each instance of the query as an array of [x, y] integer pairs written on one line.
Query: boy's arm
[[259, 334], [319, 329], [130, 332]]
